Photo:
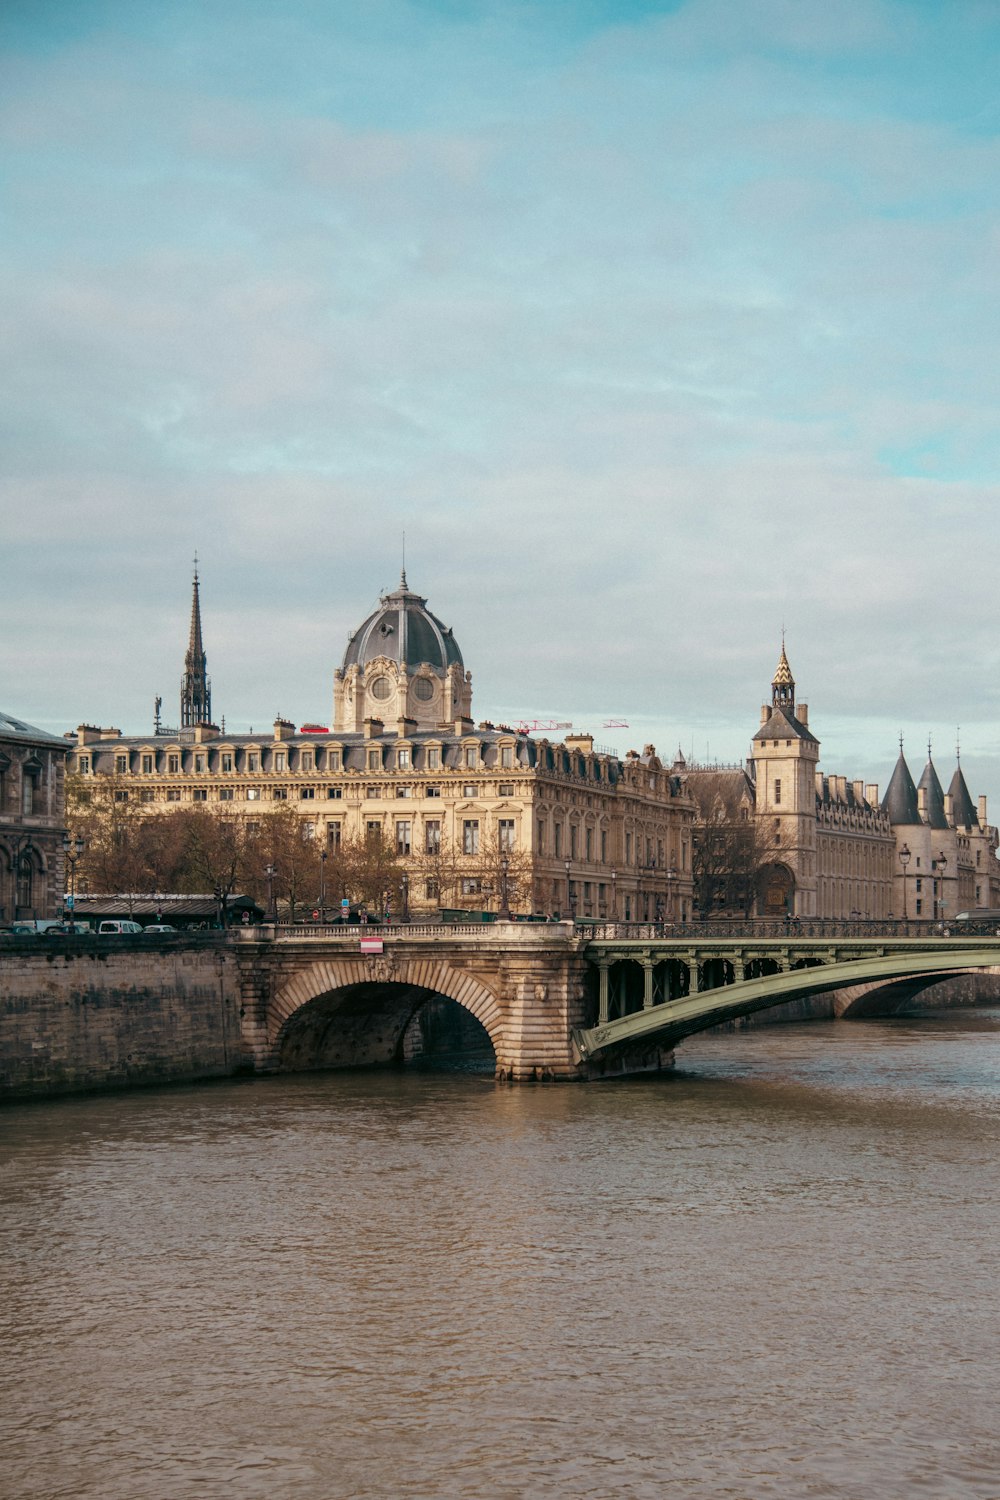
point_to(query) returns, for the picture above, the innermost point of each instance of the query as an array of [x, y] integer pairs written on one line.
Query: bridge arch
[[353, 1011]]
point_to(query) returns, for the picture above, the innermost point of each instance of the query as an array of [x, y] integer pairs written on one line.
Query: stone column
[[647, 976], [602, 993]]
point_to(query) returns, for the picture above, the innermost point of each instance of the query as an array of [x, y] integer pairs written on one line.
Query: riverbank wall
[[115, 1013]]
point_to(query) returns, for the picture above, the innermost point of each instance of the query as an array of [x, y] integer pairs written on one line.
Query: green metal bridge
[[665, 989]]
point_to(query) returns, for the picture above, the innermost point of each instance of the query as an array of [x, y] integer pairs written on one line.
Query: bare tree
[[730, 846]]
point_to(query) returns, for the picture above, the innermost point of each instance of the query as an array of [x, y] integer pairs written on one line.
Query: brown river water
[[773, 1273]]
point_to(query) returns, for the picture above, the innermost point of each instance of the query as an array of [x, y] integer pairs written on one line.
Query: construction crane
[[532, 726]]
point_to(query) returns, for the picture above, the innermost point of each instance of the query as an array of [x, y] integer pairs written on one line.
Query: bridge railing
[[781, 929]]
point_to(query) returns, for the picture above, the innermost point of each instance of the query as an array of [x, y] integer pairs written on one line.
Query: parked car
[[66, 929], [117, 928], [159, 927]]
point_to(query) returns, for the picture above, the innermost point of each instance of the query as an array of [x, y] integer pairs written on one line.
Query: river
[[772, 1274]]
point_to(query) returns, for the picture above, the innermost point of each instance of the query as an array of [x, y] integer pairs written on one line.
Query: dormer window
[[279, 760], [403, 760], [307, 760]]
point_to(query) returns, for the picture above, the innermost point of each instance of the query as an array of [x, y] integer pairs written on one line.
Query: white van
[[120, 929]]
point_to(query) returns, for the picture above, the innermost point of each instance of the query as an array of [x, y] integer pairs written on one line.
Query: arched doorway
[[775, 891]]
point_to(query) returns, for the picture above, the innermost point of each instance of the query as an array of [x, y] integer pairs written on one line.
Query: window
[[147, 765], [307, 761], [374, 760], [83, 766], [225, 794], [121, 765], [253, 761], [432, 890], [589, 836], [173, 765], [28, 792], [432, 836], [279, 760], [604, 846], [432, 791], [628, 848], [333, 761], [506, 789], [253, 794], [777, 790], [540, 836], [470, 836], [506, 756], [920, 884], [402, 760], [404, 829], [371, 791], [199, 762], [471, 757], [920, 906], [333, 835], [468, 791], [308, 832], [173, 794], [280, 794], [199, 794], [307, 793], [334, 793], [404, 791], [470, 887], [505, 833], [147, 796], [25, 875], [572, 841], [373, 831], [557, 835], [433, 759], [227, 760]]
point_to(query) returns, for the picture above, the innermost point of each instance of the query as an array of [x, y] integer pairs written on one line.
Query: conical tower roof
[[900, 800], [931, 787], [962, 808], [782, 673]]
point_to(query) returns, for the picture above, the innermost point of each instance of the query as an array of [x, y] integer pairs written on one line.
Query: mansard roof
[[783, 725], [900, 800], [962, 808], [17, 729], [931, 786]]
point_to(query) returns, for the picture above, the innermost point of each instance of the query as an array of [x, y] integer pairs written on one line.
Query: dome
[[404, 630]]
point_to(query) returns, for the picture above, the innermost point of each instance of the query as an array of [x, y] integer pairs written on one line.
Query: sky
[[656, 327]]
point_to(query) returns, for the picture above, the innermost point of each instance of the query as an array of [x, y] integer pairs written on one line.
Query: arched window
[[24, 881]]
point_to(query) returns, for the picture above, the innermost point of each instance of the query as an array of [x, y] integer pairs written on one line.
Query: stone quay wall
[[89, 1013]]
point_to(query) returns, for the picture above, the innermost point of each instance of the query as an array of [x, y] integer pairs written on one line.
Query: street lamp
[[614, 895], [322, 885], [671, 877], [569, 893], [942, 860], [72, 850], [504, 888], [904, 860], [406, 897], [272, 913]]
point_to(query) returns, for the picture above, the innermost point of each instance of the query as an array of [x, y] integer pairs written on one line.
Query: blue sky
[[655, 327]]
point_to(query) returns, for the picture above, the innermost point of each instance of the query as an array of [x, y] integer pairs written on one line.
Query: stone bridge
[[557, 1001]]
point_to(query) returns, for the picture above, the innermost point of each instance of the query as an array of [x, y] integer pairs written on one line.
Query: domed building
[[473, 815], [402, 663]]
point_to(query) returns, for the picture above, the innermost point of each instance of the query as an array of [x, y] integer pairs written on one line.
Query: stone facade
[[586, 833], [32, 821]]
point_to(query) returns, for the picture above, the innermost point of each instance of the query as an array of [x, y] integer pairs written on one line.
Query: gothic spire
[[196, 689]]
